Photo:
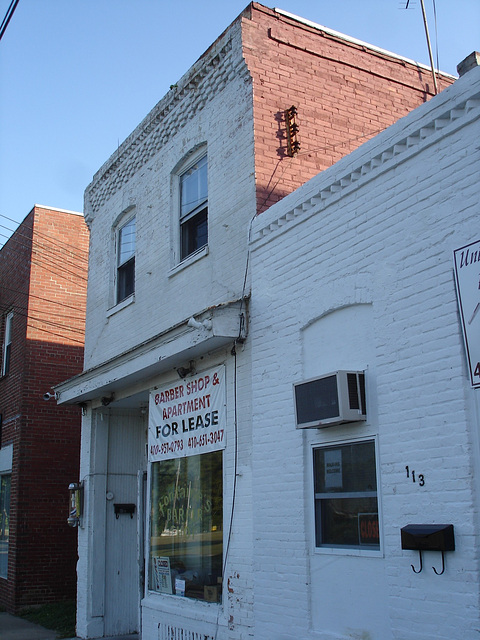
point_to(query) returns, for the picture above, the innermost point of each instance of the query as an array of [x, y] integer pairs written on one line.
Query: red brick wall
[[14, 285], [47, 349], [15, 259], [344, 94]]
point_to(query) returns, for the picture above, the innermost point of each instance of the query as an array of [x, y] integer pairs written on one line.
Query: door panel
[[126, 457]]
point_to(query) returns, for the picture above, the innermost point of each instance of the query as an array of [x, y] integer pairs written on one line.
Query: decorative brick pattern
[[167, 119]]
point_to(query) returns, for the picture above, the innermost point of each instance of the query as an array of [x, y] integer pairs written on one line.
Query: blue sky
[[77, 76]]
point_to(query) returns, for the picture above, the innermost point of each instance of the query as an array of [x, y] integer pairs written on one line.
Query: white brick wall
[[377, 245], [143, 178], [139, 175], [355, 269], [234, 619]]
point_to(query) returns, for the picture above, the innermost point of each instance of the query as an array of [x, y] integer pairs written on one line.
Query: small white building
[[355, 272]]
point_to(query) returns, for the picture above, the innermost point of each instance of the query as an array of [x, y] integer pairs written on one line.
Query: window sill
[[353, 551], [121, 305], [189, 260], [178, 605]]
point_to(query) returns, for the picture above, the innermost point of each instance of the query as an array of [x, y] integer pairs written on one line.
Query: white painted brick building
[[137, 342], [354, 271], [183, 533]]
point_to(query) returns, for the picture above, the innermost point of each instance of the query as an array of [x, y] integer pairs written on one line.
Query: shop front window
[[186, 536]]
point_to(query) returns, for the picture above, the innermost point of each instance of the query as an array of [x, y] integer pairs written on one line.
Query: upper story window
[[126, 260], [7, 343], [193, 208]]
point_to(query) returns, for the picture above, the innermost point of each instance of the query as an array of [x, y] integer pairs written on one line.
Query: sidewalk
[[14, 628]]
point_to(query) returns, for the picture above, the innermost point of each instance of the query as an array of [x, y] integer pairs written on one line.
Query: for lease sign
[[189, 417], [467, 279]]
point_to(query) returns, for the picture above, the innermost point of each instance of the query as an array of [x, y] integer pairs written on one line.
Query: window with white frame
[[194, 208], [345, 488], [186, 527], [7, 343], [126, 260], [5, 483]]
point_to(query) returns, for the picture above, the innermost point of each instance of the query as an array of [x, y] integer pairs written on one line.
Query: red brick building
[[43, 279]]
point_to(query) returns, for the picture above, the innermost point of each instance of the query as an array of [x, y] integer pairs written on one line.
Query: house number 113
[[421, 477]]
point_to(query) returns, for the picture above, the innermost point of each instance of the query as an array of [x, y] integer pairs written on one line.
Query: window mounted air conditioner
[[329, 400]]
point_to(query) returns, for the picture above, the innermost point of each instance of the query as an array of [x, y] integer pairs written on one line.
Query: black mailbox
[[428, 537], [124, 508]]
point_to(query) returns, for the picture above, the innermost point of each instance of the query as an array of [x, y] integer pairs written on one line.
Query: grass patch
[[58, 616]]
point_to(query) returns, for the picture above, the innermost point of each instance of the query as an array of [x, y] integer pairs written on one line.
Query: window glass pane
[[347, 522], [126, 261], [7, 343], [194, 234], [126, 242], [193, 186], [6, 361], [345, 468], [126, 280], [346, 507], [4, 523], [186, 537]]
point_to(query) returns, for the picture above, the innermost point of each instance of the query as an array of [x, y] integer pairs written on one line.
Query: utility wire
[[235, 473], [59, 335], [8, 17], [42, 235], [61, 315], [8, 229], [50, 245], [56, 272], [21, 311], [45, 261], [51, 253], [55, 244], [50, 256], [69, 272], [59, 271], [326, 147], [31, 295], [53, 333]]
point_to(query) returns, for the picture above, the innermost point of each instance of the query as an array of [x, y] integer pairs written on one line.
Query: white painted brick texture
[[387, 243], [224, 120], [225, 123]]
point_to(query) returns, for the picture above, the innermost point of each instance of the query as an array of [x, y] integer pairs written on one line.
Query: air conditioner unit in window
[[331, 399]]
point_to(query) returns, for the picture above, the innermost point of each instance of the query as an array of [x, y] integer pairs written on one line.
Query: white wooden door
[[126, 457]]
